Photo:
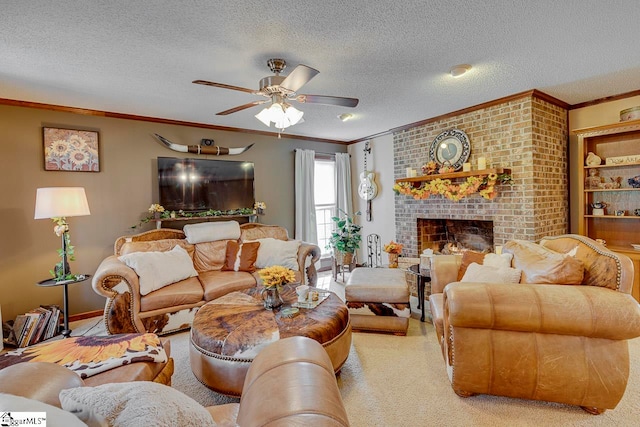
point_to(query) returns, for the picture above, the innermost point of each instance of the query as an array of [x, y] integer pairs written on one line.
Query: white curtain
[[306, 228], [343, 183]]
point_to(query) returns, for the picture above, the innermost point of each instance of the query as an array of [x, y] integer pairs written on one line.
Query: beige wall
[[118, 195], [382, 221], [595, 115]]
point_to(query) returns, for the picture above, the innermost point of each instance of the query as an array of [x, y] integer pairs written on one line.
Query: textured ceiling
[[141, 57]]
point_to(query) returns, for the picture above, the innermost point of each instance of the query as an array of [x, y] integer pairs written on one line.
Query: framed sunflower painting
[[71, 150]]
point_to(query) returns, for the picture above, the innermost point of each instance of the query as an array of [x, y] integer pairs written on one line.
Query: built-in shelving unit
[[620, 230]]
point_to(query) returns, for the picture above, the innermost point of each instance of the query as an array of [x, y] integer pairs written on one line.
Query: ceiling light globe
[[459, 70]]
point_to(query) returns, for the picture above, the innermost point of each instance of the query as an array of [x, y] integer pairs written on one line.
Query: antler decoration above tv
[[215, 150]]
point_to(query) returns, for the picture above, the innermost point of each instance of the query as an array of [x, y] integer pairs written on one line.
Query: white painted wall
[[379, 161]]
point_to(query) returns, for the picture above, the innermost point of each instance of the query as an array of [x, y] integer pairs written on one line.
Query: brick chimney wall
[[527, 135]]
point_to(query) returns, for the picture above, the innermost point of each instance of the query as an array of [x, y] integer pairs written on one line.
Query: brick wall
[[527, 135]]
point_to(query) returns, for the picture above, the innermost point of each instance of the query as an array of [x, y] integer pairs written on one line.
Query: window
[[325, 198]]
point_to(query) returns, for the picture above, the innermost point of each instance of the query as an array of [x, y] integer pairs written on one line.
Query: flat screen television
[[194, 185]]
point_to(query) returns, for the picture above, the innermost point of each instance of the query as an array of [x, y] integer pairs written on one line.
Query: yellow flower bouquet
[[393, 248], [276, 275]]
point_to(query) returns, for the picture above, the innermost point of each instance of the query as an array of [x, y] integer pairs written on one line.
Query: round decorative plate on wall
[[450, 147]]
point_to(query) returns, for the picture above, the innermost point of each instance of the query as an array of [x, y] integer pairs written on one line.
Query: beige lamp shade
[[55, 202]]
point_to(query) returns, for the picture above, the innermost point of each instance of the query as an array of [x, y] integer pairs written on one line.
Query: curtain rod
[[320, 152]]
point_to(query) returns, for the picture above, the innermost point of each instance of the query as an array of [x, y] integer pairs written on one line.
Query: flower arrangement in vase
[[272, 279], [394, 250], [259, 207]]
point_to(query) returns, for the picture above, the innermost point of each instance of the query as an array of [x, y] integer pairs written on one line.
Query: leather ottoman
[[378, 300], [228, 332]]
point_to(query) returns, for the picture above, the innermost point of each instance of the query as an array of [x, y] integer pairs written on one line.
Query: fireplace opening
[[448, 236]]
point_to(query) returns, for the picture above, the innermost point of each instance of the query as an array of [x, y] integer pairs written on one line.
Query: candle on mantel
[[466, 167], [408, 172], [414, 173], [482, 163]]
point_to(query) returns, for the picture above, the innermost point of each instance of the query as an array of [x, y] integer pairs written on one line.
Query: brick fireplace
[[526, 133], [452, 235]]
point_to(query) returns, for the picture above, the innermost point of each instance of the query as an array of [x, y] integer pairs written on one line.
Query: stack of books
[[37, 325]]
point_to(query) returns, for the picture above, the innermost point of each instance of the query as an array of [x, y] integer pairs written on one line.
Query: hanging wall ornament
[[215, 150]]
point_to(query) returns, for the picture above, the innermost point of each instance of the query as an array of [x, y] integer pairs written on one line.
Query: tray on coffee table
[[308, 303]]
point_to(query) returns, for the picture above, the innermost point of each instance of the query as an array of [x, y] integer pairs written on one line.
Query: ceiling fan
[[279, 90]]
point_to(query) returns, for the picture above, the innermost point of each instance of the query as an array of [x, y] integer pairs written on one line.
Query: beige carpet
[[401, 381]]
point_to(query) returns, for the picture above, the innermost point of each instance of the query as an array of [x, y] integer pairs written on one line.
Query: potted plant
[[345, 238]]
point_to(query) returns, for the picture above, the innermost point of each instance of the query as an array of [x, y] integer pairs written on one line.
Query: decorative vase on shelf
[[598, 208], [592, 159], [393, 260], [271, 298]]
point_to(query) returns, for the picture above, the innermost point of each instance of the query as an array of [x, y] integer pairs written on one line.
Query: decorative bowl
[[635, 181], [632, 113]]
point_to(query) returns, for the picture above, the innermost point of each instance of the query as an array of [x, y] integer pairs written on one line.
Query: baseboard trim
[[86, 315]]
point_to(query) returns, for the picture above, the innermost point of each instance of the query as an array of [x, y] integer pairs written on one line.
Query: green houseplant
[[345, 238]]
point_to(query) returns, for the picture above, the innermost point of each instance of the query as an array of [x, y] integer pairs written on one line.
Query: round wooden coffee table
[[228, 332]]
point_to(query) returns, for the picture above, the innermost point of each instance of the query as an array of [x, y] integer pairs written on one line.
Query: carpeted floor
[[400, 381]]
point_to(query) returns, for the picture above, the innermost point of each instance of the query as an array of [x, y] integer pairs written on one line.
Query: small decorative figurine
[[593, 159], [593, 180]]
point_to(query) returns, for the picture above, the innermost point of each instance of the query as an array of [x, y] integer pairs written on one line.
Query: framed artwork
[[70, 150]]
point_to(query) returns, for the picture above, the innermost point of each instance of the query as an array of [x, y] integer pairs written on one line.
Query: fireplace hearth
[[448, 236]]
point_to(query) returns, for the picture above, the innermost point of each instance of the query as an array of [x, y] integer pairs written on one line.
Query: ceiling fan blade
[[327, 100], [298, 77], [223, 86], [241, 107]]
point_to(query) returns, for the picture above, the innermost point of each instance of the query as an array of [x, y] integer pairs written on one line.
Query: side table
[[422, 277], [66, 332], [337, 268]]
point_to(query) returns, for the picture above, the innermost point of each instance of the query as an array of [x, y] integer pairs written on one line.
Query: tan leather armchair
[[551, 342]]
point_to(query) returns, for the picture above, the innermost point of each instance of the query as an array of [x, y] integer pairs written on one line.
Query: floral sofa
[[157, 280]]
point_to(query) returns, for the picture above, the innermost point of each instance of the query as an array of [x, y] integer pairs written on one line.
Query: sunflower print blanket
[[88, 356]]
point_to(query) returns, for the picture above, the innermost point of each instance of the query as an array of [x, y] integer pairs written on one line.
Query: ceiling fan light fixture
[[282, 115], [264, 116], [293, 115], [459, 70]]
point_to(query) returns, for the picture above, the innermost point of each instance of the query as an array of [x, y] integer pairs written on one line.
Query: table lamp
[[58, 203]]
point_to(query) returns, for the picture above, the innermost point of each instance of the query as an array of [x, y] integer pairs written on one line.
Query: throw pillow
[[487, 274], [278, 252], [137, 404], [498, 260], [542, 265], [159, 269], [212, 231], [241, 256], [495, 260]]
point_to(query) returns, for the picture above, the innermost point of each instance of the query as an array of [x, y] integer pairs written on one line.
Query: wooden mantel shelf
[[252, 218], [453, 175]]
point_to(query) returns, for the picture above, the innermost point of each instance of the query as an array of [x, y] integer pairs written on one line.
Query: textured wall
[[527, 135], [118, 195]]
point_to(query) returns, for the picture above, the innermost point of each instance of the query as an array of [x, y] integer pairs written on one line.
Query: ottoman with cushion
[[378, 300]]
